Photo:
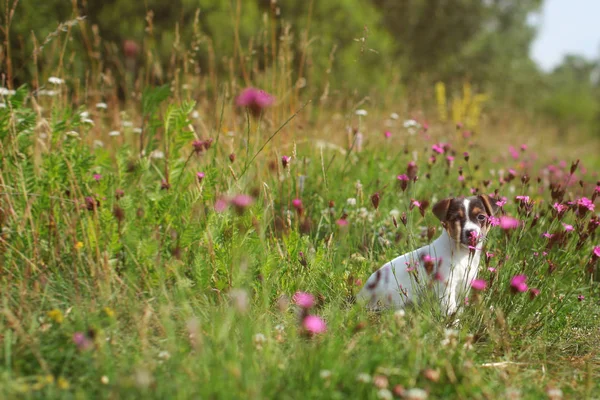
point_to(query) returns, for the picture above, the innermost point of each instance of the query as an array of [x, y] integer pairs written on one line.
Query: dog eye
[[481, 217]]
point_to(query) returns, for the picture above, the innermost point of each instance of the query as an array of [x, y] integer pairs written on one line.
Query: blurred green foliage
[[347, 45]]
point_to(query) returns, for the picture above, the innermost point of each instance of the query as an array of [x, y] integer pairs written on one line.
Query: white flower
[[415, 394], [87, 121], [279, 328], [44, 92], [195, 114], [361, 112], [114, 133], [394, 116], [395, 213], [2, 105], [351, 201], [102, 106], [554, 393], [56, 81], [84, 114], [399, 313], [72, 134], [104, 380], [259, 339], [98, 144], [127, 124], [239, 299], [325, 374], [164, 355], [43, 135], [384, 394], [137, 130], [410, 123], [363, 377], [157, 154]]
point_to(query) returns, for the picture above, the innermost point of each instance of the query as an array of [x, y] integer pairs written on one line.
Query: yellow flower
[[78, 245], [56, 315], [110, 313], [62, 383]]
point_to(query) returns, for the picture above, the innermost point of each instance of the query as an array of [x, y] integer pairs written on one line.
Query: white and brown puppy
[[448, 265]]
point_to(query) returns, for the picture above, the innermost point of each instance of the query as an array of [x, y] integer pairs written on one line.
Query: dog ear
[[440, 209], [491, 208]]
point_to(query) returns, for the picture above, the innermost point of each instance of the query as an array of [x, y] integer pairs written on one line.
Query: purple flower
[[479, 284], [388, 134], [581, 297], [200, 176], [314, 325], [518, 284], [342, 222], [438, 148], [242, 201], [568, 227], [220, 205], [585, 203], [596, 251], [97, 177], [285, 160], [304, 300], [255, 100]]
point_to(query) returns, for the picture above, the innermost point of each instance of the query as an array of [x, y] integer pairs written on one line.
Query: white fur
[[396, 286]]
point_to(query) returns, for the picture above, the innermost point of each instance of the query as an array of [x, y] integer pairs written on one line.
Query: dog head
[[466, 219]]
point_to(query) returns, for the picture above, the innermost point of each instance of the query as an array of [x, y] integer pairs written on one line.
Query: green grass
[[156, 280]]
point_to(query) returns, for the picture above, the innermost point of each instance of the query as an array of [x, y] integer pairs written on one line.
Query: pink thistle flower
[[508, 222], [342, 222], [523, 147], [461, 178], [581, 297], [97, 177], [285, 160], [388, 134], [518, 284], [479, 284], [466, 155], [220, 205], [533, 293], [82, 341], [438, 148], [297, 204], [314, 325], [200, 176], [403, 178], [255, 100], [242, 201], [304, 300], [568, 227]]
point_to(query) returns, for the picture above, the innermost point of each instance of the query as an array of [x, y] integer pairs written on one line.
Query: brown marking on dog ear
[[440, 209], [491, 208]]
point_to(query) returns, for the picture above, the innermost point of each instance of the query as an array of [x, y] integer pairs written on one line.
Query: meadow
[[205, 240]]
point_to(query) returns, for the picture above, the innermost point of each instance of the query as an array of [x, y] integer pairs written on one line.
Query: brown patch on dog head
[[481, 208], [452, 213], [491, 208]]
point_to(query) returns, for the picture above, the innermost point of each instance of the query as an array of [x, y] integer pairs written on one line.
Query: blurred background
[[538, 57]]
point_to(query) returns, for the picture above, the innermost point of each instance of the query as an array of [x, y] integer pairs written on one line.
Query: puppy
[[448, 265]]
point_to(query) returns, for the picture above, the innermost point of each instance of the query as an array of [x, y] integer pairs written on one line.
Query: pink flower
[[501, 203], [479, 284], [492, 270], [403, 178], [596, 251], [200, 176], [242, 201], [584, 202], [580, 297], [548, 235], [342, 222], [97, 177], [438, 148], [560, 207], [494, 221], [255, 100], [314, 325], [297, 204], [304, 300], [82, 341], [416, 203], [524, 199], [533, 293], [285, 160], [568, 227], [461, 178], [518, 284], [388, 134], [220, 205], [523, 147], [508, 222], [513, 152]]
